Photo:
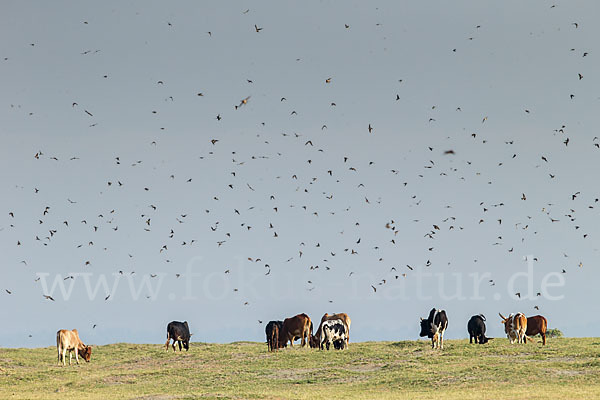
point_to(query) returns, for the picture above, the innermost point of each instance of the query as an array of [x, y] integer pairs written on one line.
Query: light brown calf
[[69, 341]]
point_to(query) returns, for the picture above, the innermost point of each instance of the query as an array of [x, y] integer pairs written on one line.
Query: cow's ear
[[421, 318]]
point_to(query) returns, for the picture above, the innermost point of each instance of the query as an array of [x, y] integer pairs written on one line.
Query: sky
[[232, 163]]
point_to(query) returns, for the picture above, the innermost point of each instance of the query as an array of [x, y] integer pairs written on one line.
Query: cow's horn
[[422, 318], [501, 316]]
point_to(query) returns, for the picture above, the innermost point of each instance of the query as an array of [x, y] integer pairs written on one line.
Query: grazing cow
[[178, 332], [535, 325], [296, 327], [434, 327], [69, 341], [515, 327], [331, 331], [272, 331], [345, 319], [476, 328]]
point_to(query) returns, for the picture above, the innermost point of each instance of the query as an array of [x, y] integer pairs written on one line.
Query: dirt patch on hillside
[[364, 368], [565, 372], [120, 379]]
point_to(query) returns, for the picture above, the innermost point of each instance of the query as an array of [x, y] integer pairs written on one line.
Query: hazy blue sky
[[107, 95]]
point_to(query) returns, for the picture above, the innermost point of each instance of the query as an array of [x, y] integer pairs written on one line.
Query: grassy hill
[[565, 369]]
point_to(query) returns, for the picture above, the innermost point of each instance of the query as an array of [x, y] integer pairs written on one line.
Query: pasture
[[567, 368]]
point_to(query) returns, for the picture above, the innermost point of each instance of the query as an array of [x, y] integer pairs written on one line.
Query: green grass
[[564, 369]]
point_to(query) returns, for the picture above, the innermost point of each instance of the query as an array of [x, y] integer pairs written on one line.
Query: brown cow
[[515, 327], [327, 317], [69, 340], [299, 326], [537, 324]]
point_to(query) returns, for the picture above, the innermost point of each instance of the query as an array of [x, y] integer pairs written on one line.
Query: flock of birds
[[267, 207]]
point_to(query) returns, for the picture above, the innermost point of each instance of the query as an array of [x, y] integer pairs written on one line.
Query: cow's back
[[67, 339], [178, 329], [343, 316], [536, 324], [521, 322], [296, 325], [476, 325]]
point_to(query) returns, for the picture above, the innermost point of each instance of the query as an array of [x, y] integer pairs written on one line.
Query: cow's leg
[[543, 334], [179, 344], [442, 340], [70, 356], [59, 350], [77, 354], [168, 342], [471, 339], [64, 356]]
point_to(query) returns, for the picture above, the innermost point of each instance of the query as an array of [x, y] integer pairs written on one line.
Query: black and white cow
[[476, 328], [434, 327], [178, 332], [333, 331]]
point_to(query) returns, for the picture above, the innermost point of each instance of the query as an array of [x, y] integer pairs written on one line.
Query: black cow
[[272, 331], [476, 328], [178, 332], [434, 327]]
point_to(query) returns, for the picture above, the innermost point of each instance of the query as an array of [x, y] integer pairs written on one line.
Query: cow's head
[[86, 353], [186, 342], [314, 342], [425, 328], [483, 339]]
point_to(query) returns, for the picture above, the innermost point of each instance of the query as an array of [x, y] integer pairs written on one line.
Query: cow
[[536, 324], [69, 341], [345, 319], [515, 327], [434, 327], [178, 332], [331, 331], [476, 328], [272, 331], [295, 327]]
